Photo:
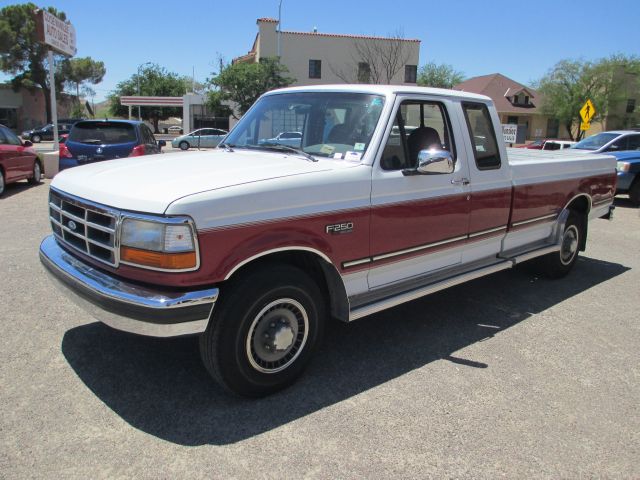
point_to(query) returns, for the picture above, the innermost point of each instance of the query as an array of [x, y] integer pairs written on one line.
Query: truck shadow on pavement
[[160, 387]]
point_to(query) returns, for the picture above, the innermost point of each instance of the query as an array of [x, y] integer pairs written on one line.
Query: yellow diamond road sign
[[587, 111]]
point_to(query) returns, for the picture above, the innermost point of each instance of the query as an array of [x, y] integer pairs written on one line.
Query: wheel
[[37, 174], [558, 264], [2, 184], [634, 192], [184, 145], [263, 331], [36, 139]]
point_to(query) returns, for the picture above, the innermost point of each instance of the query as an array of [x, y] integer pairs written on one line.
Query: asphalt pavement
[[507, 376]]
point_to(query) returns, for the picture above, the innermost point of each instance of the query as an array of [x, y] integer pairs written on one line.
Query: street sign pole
[[54, 107]]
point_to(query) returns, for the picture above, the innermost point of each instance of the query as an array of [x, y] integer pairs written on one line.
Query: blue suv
[[97, 140]]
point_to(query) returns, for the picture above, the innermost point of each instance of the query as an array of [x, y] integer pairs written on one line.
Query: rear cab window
[[103, 133], [483, 136]]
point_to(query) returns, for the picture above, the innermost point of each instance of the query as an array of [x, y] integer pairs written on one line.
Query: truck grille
[[85, 227]]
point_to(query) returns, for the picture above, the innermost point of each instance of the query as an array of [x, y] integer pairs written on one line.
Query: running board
[[505, 263]]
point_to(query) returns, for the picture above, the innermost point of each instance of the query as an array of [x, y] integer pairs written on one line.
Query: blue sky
[[522, 40]]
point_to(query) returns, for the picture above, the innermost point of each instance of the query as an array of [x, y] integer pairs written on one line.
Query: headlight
[[158, 245], [623, 166]]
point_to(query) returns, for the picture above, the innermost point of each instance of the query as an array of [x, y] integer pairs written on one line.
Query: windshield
[[328, 124], [595, 141], [102, 133]]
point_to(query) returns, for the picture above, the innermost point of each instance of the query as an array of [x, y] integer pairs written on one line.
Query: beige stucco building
[[26, 109], [319, 58]]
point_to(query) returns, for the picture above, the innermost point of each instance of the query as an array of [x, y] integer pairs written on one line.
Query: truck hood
[[149, 184]]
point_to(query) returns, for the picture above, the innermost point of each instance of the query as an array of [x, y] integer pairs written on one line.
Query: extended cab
[[394, 193]]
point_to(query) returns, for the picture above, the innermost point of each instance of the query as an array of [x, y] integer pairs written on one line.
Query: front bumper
[[625, 179], [124, 305]]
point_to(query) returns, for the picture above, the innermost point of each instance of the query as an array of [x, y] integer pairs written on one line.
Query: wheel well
[[323, 273], [581, 205]]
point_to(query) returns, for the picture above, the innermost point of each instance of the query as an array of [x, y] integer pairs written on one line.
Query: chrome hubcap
[[36, 172], [277, 335], [569, 245]]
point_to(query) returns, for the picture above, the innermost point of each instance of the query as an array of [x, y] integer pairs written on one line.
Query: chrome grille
[[82, 226]]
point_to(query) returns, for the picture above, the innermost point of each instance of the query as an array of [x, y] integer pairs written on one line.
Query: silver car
[[201, 138]]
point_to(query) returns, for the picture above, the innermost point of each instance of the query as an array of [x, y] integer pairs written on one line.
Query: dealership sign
[[509, 132], [56, 33]]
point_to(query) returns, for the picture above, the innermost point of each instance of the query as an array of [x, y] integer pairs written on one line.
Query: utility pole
[[279, 27]]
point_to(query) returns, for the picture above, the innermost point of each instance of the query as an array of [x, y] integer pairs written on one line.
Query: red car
[[18, 161]]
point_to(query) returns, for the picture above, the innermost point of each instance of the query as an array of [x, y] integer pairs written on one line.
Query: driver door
[[419, 222]]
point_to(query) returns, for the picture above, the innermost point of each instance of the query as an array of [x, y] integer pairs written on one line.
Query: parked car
[[45, 132], [256, 247], [548, 144], [96, 140], [628, 169], [613, 141], [18, 160], [202, 138], [175, 129], [292, 139]]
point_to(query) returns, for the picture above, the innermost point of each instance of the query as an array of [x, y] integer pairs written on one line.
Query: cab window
[[483, 137], [418, 125]]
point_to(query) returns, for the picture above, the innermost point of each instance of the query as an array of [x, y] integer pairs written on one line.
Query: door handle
[[460, 181]]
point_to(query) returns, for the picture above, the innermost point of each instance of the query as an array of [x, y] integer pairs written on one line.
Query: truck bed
[[533, 166]]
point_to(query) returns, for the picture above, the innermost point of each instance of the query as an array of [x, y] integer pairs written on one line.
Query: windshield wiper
[[278, 147]]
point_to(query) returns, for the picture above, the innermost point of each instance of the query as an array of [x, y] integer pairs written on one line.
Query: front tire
[[184, 145], [2, 182], [559, 264], [37, 174], [264, 331]]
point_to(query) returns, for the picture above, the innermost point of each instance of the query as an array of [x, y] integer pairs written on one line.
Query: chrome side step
[[413, 294]]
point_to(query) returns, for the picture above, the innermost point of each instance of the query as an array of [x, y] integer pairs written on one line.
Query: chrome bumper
[[127, 306]]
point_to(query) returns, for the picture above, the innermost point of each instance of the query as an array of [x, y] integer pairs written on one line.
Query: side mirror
[[162, 143], [27, 143], [432, 162]]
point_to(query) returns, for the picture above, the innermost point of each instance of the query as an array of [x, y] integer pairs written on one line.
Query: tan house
[[516, 104], [26, 109], [319, 58]]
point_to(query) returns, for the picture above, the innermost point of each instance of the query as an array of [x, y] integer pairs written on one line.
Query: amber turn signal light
[[167, 261]]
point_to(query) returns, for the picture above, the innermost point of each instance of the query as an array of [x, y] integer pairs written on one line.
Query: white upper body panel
[[219, 187], [535, 166]]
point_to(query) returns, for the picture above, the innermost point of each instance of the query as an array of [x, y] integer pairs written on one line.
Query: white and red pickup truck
[[390, 193]]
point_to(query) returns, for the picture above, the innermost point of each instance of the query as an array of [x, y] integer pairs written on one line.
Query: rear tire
[[559, 264], [37, 174], [184, 145], [2, 182], [36, 139], [634, 192], [264, 331]]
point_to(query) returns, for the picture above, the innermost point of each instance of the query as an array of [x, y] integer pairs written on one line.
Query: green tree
[[22, 55], [568, 85], [243, 83], [439, 76], [152, 80], [77, 72]]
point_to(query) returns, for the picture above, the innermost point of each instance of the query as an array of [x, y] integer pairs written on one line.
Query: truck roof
[[385, 90]]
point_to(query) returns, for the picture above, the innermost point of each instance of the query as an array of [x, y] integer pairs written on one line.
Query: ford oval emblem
[[99, 150], [72, 225]]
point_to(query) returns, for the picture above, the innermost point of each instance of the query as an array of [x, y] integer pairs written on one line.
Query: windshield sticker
[[338, 156], [359, 146], [353, 156], [327, 149], [376, 102]]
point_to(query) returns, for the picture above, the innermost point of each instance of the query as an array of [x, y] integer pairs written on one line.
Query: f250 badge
[[339, 228]]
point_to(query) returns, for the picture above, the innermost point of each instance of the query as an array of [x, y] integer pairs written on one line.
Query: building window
[[410, 73], [526, 99], [315, 68], [364, 72], [631, 105]]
